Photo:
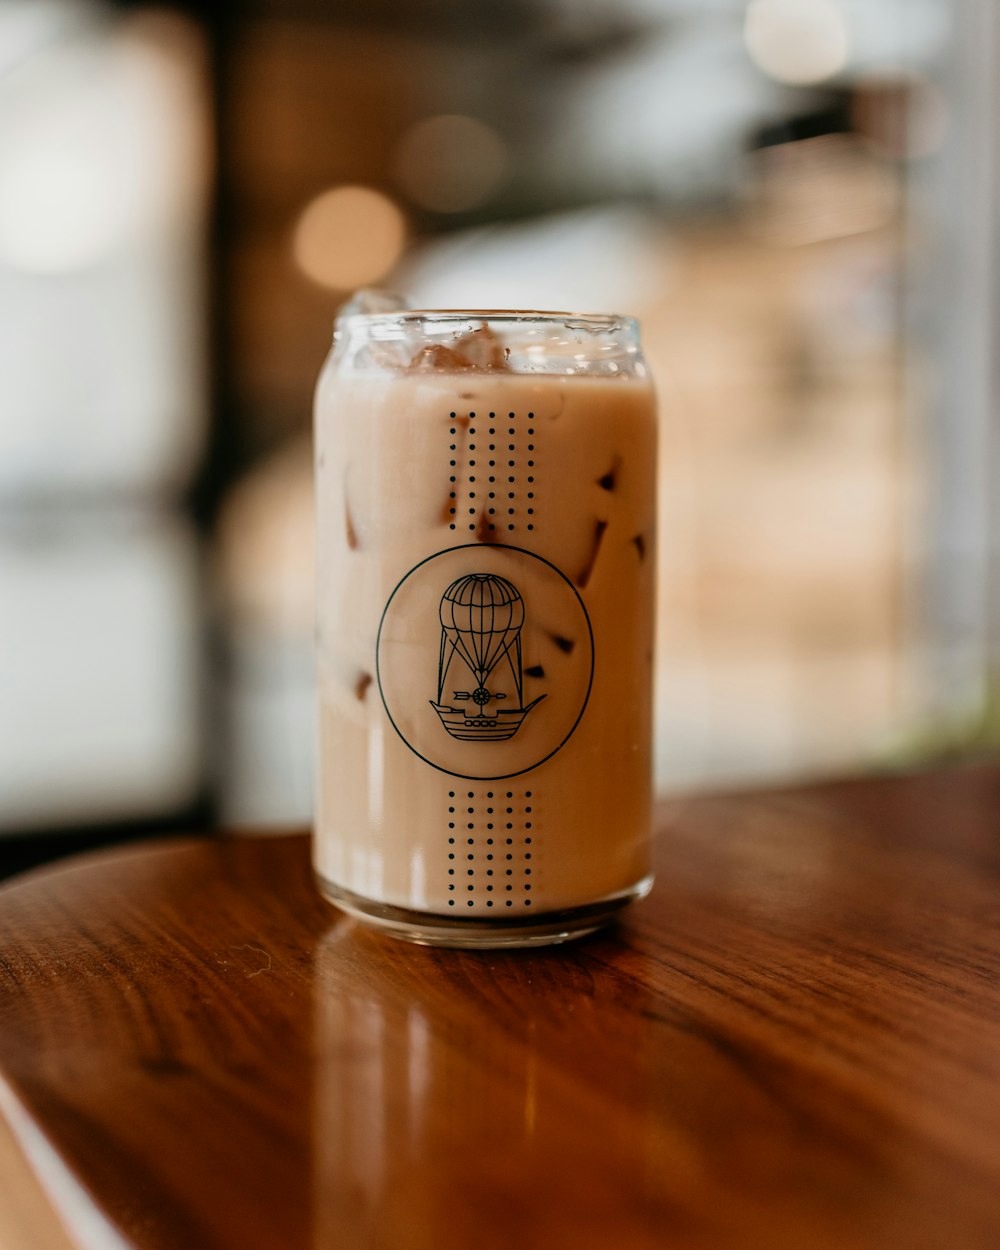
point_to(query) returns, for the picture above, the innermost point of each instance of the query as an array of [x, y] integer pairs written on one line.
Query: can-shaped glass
[[486, 531]]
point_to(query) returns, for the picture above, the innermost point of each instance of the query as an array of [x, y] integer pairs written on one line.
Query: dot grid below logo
[[492, 855]]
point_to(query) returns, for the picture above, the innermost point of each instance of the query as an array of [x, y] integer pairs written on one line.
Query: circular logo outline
[[590, 681]]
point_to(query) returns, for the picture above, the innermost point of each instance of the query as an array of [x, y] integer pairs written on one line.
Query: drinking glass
[[486, 561]]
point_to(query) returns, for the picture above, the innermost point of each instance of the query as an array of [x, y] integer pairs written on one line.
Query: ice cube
[[477, 349], [437, 356], [371, 300], [482, 349], [583, 577]]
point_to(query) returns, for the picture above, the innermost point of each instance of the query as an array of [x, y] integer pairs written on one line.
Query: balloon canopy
[[482, 615]]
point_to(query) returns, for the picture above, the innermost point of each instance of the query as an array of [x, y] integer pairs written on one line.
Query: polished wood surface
[[794, 1042]]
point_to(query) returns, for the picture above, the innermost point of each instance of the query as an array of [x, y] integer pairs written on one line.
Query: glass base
[[469, 933]]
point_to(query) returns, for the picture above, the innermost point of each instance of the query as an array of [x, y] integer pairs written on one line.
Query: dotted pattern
[[492, 850], [491, 473]]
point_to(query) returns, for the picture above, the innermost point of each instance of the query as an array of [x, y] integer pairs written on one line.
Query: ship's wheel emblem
[[481, 616]]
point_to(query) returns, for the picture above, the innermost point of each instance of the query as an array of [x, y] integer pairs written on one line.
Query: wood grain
[[795, 1042]]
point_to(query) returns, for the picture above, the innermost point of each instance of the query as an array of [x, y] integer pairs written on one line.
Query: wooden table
[[794, 1042]]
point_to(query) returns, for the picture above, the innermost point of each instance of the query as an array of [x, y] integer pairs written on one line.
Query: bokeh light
[[348, 237], [451, 163], [797, 41]]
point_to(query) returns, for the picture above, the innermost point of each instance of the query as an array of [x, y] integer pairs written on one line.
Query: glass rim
[[607, 322]]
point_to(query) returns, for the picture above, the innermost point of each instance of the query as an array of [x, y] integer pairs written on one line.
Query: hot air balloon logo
[[481, 615]]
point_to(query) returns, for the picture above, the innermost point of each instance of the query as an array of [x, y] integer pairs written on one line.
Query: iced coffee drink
[[486, 529]]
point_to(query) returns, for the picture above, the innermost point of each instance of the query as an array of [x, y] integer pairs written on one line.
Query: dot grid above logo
[[491, 473]]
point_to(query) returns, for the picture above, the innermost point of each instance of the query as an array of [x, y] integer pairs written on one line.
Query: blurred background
[[799, 199]]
